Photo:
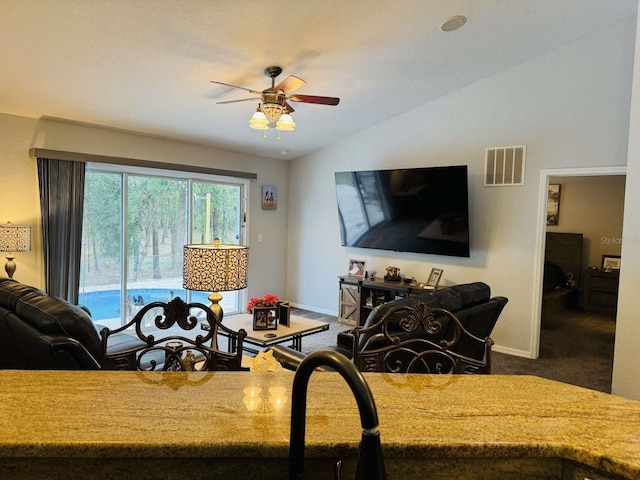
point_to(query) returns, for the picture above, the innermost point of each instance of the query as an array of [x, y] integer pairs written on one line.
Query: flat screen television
[[423, 210]]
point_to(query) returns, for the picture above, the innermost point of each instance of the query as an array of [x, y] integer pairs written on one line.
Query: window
[[135, 224]]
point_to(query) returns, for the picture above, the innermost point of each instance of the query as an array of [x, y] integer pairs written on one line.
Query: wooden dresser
[[600, 290]]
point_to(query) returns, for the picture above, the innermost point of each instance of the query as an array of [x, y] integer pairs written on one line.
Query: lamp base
[[10, 266], [215, 298]]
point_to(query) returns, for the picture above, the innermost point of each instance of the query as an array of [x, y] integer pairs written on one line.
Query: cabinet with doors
[[358, 296]]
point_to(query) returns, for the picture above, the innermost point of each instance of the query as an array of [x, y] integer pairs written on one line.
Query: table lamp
[[215, 268], [14, 238]]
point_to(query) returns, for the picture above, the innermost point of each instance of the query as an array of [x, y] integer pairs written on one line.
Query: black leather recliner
[[471, 303], [41, 332]]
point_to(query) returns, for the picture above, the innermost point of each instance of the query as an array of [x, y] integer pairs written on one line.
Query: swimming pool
[[105, 304]]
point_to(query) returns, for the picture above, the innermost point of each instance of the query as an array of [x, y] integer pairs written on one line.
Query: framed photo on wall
[[553, 205], [269, 197]]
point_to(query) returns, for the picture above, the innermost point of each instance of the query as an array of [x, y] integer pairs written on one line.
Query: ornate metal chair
[[391, 344], [176, 351]]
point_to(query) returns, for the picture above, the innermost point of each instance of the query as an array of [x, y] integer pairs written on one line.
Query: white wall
[[19, 197], [626, 374], [570, 107]]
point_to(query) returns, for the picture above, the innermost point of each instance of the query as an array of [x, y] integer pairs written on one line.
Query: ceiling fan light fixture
[[272, 111], [286, 123], [259, 121]]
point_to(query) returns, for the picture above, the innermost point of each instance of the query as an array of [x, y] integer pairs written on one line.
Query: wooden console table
[[358, 296]]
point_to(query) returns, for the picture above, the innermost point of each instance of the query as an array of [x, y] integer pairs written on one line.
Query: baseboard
[[333, 313], [512, 351]]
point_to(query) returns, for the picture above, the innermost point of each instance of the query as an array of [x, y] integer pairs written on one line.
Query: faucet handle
[[338, 470]]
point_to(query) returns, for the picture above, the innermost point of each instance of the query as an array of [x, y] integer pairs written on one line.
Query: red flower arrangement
[[267, 300]]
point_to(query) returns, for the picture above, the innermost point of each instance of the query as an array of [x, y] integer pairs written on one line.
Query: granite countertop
[[246, 415]]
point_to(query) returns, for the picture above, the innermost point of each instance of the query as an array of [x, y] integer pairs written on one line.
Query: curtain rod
[[135, 162]]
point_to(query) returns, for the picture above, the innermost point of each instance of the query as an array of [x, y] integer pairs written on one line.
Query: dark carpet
[[576, 347]]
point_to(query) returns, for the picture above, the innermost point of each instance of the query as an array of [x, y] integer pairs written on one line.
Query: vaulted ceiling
[[146, 65]]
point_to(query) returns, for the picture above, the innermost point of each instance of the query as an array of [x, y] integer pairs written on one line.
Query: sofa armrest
[[345, 340], [69, 353]]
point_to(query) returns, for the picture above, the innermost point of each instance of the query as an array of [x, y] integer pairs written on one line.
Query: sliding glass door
[[135, 225]]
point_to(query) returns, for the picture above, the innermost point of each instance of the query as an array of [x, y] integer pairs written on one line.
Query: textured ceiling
[[145, 65]]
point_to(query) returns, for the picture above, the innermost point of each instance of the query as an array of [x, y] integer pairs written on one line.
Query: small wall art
[[269, 197], [553, 205]]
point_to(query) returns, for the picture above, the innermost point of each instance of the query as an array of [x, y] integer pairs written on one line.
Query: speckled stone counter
[[236, 425]]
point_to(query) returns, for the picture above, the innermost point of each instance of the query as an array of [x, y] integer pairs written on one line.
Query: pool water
[[105, 304]]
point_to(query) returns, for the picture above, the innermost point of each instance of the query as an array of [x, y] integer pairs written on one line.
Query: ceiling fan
[[274, 108]]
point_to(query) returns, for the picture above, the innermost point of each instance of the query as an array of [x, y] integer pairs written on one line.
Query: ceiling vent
[[504, 166]]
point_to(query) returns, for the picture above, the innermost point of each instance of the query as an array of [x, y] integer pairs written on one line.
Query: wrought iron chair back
[[173, 352], [431, 350]]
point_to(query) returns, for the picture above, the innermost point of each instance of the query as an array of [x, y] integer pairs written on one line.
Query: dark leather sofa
[[41, 332], [471, 303]]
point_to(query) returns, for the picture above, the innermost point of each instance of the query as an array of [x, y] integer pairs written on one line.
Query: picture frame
[[284, 314], [265, 318], [553, 205], [269, 197], [434, 277], [357, 268], [611, 262]]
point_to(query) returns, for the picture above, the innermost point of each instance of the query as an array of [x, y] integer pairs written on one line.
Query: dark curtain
[[61, 203]]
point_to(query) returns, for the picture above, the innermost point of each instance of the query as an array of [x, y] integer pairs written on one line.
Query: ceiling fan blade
[[236, 86], [241, 100], [289, 107], [290, 84], [315, 99]]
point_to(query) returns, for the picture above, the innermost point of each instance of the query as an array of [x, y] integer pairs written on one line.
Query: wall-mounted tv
[[423, 210]]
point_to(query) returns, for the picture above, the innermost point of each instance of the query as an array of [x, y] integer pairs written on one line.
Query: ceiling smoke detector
[[453, 23]]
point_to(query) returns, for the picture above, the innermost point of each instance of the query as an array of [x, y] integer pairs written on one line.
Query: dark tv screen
[[422, 210]]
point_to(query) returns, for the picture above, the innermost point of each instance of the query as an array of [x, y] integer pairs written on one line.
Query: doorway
[[591, 257]]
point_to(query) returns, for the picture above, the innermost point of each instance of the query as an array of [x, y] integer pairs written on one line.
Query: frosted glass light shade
[[286, 123], [259, 121]]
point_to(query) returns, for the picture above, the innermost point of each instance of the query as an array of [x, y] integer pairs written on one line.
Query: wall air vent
[[504, 166]]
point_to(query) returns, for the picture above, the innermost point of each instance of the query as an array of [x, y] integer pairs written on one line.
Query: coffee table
[[298, 328]]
